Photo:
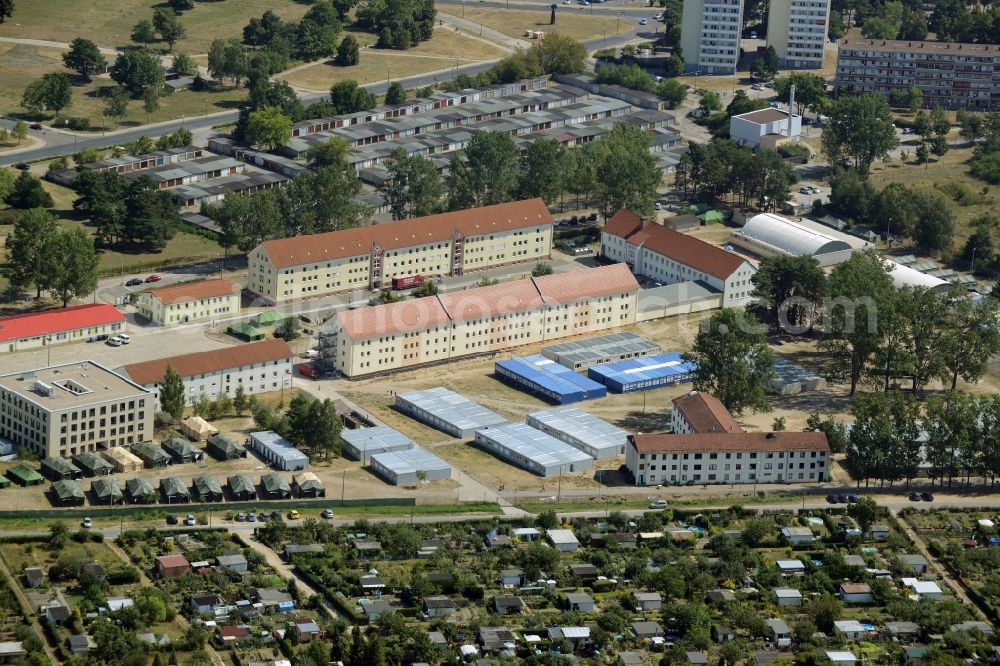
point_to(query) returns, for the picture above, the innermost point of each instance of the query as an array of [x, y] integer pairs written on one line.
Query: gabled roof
[[105, 488], [301, 250], [682, 248], [706, 413], [33, 324], [739, 442], [205, 484], [172, 485], [240, 483], [139, 487], [193, 291], [198, 363], [272, 482], [559, 288]]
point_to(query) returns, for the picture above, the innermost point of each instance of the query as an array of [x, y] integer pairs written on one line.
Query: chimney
[[771, 435]]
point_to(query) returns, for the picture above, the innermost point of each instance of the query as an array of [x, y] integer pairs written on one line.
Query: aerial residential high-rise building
[[797, 30], [710, 35]]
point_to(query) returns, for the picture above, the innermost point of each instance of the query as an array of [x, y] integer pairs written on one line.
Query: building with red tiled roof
[[698, 412], [727, 457], [188, 302], [370, 257], [662, 254], [480, 320], [257, 367], [80, 322]]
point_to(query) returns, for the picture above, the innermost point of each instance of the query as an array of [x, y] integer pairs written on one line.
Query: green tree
[[346, 96], [348, 52], [143, 32], [58, 536], [487, 176], [28, 248], [766, 65], [810, 90], [673, 91], [6, 184], [792, 288], [324, 428], [116, 104], [859, 131], [28, 193], [978, 247], [269, 127], [240, 400], [542, 170], [541, 269], [396, 94], [20, 130], [72, 265], [52, 92], [914, 98], [836, 433], [413, 188], [167, 26], [970, 338], [150, 101], [734, 362], [84, 57], [559, 54], [857, 288], [934, 218], [184, 65], [172, 393], [866, 511], [138, 70], [627, 174], [151, 215], [710, 102], [6, 9], [332, 152]]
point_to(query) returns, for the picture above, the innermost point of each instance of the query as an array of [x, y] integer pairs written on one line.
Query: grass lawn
[[444, 50], [12, 143], [110, 24], [21, 64], [950, 170], [581, 27]]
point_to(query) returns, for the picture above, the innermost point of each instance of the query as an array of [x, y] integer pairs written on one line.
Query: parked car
[[658, 504], [172, 519], [240, 517], [643, 22], [915, 497], [22, 166], [113, 342], [853, 499], [831, 499], [87, 523], [842, 499], [251, 517], [293, 514], [190, 521], [35, 126], [124, 338], [805, 190], [927, 497], [154, 278], [308, 370], [327, 513], [134, 282]]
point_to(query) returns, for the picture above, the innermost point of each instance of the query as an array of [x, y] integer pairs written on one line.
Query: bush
[[936, 549], [77, 123]]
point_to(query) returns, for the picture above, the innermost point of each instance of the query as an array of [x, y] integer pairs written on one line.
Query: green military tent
[[245, 332]]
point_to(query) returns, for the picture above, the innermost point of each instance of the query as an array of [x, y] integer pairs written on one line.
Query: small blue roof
[[551, 376], [645, 368]]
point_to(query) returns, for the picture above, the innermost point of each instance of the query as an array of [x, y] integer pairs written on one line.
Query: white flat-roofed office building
[[277, 451], [581, 354], [581, 430], [64, 410], [409, 466], [447, 411], [533, 450], [710, 35], [362, 443]]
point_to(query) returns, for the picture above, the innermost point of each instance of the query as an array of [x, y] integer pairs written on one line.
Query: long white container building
[[447, 411], [533, 450], [362, 443], [277, 451], [409, 466], [581, 430]]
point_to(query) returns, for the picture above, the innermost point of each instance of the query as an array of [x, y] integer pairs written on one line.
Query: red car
[[153, 278]]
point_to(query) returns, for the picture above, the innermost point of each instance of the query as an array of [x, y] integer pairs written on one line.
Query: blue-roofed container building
[[643, 374], [551, 381]]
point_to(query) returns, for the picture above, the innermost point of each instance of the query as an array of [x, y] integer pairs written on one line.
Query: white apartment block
[[797, 29], [730, 457], [710, 35], [259, 367], [655, 251], [67, 409], [481, 320], [370, 257], [189, 302]]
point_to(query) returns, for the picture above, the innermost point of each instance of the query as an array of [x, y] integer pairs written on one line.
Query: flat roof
[[60, 387], [644, 368], [278, 445], [451, 408], [410, 461], [907, 46], [524, 442], [551, 376], [786, 371], [376, 439], [562, 536], [34, 324], [763, 116], [595, 350], [576, 424]]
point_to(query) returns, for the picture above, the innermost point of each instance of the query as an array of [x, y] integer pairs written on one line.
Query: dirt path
[[181, 620], [33, 617], [287, 572], [946, 576]]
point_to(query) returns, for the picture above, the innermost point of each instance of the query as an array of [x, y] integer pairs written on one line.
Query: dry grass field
[[581, 27]]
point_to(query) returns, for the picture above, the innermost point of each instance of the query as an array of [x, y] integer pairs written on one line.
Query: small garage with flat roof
[[410, 466]]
